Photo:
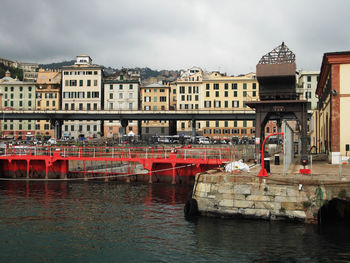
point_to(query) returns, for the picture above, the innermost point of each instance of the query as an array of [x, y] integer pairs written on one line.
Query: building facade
[[331, 118], [17, 95], [198, 90], [155, 97], [121, 92], [82, 90], [47, 98]]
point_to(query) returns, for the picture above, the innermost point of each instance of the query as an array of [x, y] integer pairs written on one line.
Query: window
[[207, 86], [174, 91], [309, 86], [226, 85], [226, 104], [182, 90], [216, 123], [154, 99], [217, 104], [81, 82], [207, 94], [110, 105], [154, 107], [207, 104], [72, 127], [120, 95], [88, 82], [95, 82], [111, 86], [182, 97], [120, 86], [254, 93], [95, 106], [234, 86], [244, 85], [308, 78], [189, 89], [235, 104], [216, 86], [46, 126], [66, 106], [147, 99], [254, 85], [130, 95], [111, 96], [38, 103], [87, 127], [207, 124], [244, 94], [235, 94], [226, 93], [244, 123], [80, 106], [162, 99], [47, 103], [130, 86], [88, 106], [130, 106], [217, 93], [53, 103], [72, 106], [73, 83]]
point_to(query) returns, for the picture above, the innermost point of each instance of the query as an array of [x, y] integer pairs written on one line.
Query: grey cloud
[[226, 35]]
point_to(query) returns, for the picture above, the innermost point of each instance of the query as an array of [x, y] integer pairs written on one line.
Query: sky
[[226, 35]]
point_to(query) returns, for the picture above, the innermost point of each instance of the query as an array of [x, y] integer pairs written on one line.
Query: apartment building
[[306, 87], [82, 90], [17, 95], [156, 97], [198, 90], [47, 98], [121, 92], [331, 117]]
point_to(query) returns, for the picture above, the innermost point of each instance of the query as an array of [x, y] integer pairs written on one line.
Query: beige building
[[198, 90], [17, 95], [331, 119], [155, 97], [82, 91], [121, 92], [47, 98]]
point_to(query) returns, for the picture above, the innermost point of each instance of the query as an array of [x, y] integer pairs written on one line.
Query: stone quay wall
[[296, 198]]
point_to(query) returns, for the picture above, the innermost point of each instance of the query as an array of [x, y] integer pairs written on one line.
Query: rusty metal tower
[[276, 74]]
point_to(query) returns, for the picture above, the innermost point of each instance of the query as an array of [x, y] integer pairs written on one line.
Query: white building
[[82, 90]]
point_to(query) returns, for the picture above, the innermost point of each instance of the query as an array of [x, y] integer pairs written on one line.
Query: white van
[[203, 140]]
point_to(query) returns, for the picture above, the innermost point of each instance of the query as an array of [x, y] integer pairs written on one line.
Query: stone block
[[257, 198], [264, 213], [226, 202], [242, 189], [292, 206], [271, 206], [225, 189], [285, 199], [296, 214], [239, 197], [203, 187], [243, 204], [292, 191]]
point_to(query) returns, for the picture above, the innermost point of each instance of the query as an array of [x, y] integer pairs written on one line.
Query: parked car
[[204, 141]]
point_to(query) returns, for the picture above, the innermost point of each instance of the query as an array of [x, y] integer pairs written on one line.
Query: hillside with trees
[[15, 72]]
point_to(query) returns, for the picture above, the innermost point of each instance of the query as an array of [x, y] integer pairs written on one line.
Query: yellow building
[[47, 98], [198, 90], [155, 97], [332, 119]]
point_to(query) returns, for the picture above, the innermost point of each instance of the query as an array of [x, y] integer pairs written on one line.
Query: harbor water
[[114, 222]]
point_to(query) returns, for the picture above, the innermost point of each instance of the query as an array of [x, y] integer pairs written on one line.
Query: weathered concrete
[[294, 197]]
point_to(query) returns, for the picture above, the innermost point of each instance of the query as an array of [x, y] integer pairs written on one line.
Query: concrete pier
[[276, 197]]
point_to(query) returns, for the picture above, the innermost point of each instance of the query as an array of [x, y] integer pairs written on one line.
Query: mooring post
[[27, 168], [173, 181]]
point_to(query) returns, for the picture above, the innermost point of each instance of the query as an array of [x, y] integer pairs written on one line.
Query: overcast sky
[[226, 35]]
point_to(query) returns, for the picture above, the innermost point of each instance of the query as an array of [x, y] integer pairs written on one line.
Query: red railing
[[122, 152]]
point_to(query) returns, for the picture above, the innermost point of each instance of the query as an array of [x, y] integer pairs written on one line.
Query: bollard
[[277, 159], [267, 164]]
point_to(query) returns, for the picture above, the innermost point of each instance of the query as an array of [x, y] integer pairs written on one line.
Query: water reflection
[[97, 221]]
